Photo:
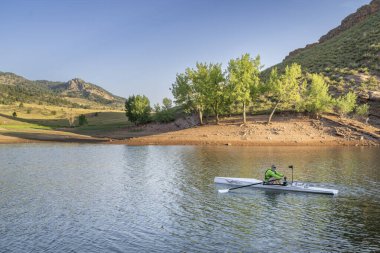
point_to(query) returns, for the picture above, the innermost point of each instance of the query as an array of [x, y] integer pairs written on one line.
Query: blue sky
[[137, 47]]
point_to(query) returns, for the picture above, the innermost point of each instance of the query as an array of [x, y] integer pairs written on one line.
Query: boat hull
[[292, 187]]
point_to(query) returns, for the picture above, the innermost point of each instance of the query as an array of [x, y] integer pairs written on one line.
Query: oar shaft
[[238, 187]]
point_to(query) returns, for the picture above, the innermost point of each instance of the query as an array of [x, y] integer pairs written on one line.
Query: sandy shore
[[284, 131]]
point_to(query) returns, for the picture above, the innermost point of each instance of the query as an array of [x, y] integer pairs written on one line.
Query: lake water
[[116, 198]]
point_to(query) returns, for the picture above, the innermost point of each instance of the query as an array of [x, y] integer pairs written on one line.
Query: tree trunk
[[244, 117], [200, 117], [271, 115], [216, 114]]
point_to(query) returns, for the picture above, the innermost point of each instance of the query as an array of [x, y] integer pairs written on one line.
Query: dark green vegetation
[[138, 109], [74, 93]]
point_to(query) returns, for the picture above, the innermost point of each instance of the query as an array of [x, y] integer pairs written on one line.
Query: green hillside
[[349, 57], [74, 93], [356, 48]]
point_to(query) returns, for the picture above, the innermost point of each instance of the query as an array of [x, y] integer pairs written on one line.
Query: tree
[[346, 104], [199, 83], [71, 118], [243, 76], [167, 103], [286, 88], [138, 109], [318, 99], [157, 107], [182, 92], [216, 89]]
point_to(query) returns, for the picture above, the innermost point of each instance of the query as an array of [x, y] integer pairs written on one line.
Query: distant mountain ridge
[[15, 88]]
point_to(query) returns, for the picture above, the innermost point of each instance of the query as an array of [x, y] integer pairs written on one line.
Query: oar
[[234, 188]]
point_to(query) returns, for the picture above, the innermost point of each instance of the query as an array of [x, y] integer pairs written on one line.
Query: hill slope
[[74, 93], [353, 44], [349, 55]]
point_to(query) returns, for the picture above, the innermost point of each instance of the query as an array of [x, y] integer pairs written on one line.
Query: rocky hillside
[[349, 55], [74, 93]]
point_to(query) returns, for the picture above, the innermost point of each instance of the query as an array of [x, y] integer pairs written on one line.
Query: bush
[[138, 109], [345, 104], [53, 112], [318, 99], [14, 114], [28, 111], [164, 116], [362, 111], [82, 120]]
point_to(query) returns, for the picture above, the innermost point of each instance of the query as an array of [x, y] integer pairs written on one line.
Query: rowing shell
[[293, 187]]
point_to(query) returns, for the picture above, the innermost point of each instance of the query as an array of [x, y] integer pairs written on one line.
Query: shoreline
[[284, 131]]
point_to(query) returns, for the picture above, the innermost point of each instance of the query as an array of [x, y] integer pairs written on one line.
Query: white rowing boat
[[258, 184]]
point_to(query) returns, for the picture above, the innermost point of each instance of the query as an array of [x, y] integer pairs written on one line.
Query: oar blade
[[224, 190]]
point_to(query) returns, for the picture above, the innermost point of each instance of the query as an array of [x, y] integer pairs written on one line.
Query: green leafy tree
[[167, 103], [346, 104], [216, 89], [199, 82], [138, 109], [285, 89], [157, 107], [182, 92], [318, 99], [243, 76]]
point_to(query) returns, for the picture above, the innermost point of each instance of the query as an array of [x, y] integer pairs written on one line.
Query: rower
[[272, 176]]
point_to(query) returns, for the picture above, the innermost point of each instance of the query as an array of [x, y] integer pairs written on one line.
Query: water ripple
[[102, 198]]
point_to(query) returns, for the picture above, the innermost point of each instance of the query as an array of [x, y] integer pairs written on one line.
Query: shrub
[[14, 114], [318, 99], [361, 111], [82, 120], [138, 109], [164, 116], [53, 112], [345, 104], [28, 111]]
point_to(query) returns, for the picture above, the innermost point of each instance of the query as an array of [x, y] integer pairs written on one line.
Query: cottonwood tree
[[138, 109], [183, 92], [216, 90], [167, 103], [199, 82], [285, 89], [318, 99], [243, 77]]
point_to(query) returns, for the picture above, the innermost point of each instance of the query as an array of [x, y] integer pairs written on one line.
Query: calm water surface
[[115, 198]]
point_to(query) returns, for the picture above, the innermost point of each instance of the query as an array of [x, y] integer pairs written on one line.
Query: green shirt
[[272, 174]]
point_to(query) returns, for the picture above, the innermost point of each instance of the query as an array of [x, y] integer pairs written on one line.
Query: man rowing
[[272, 176]]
